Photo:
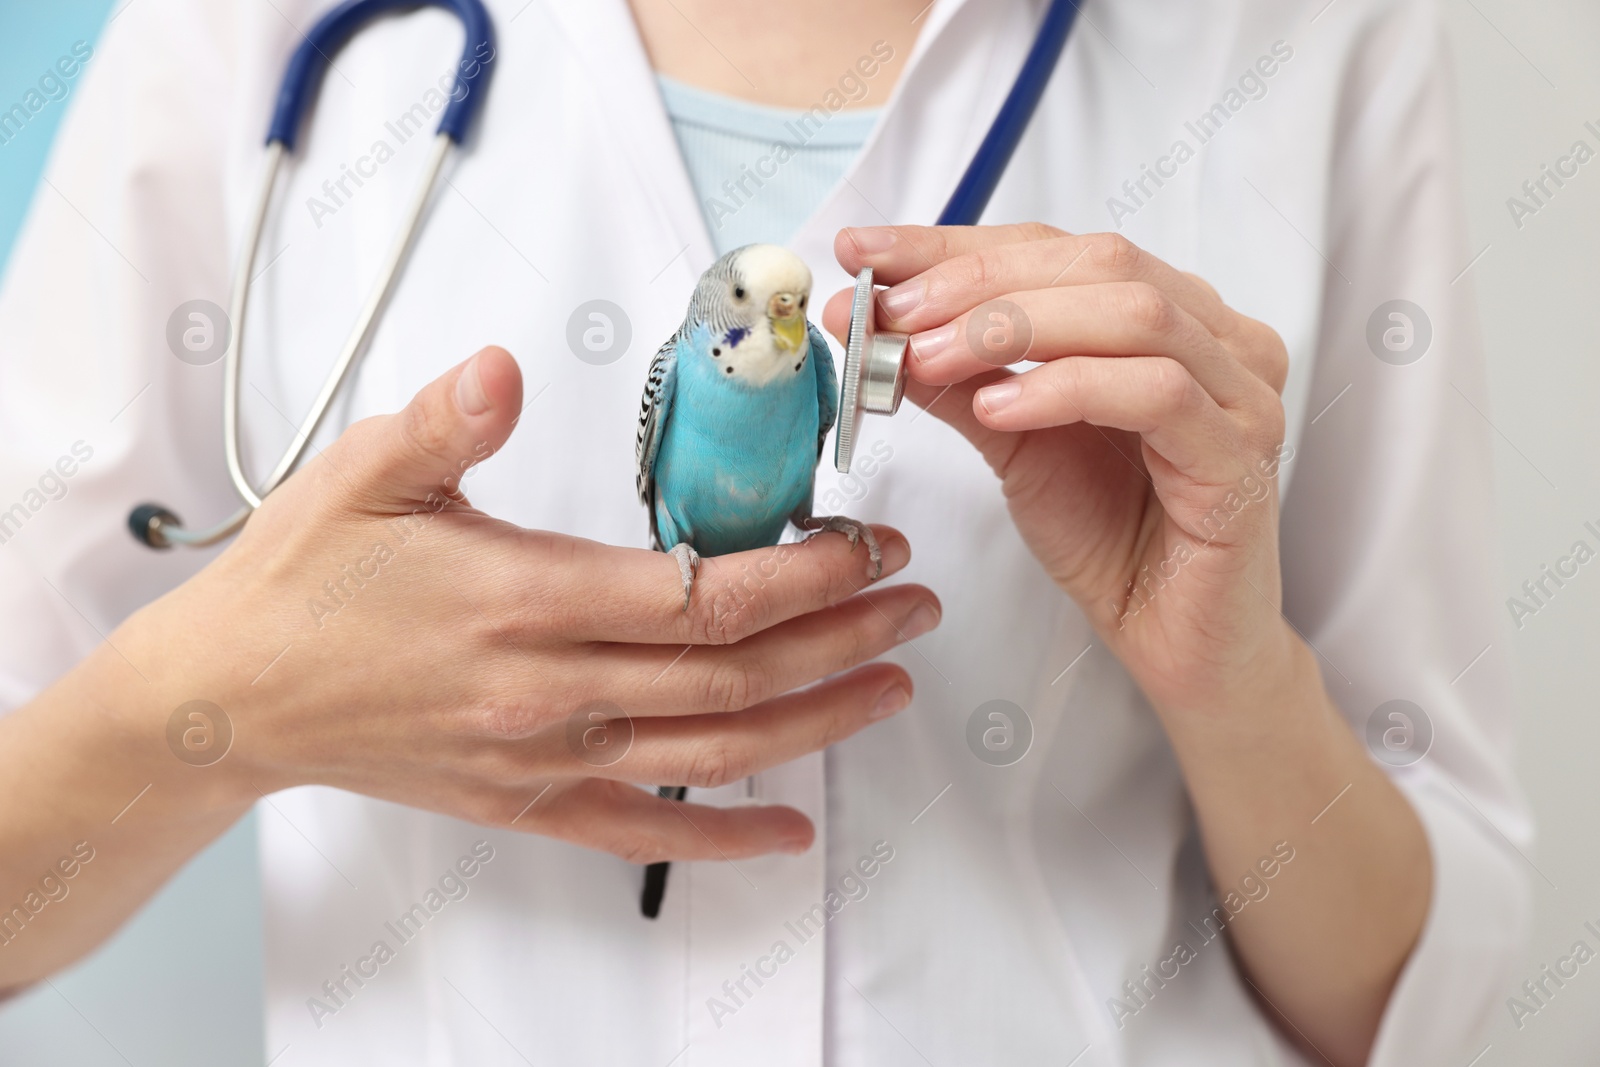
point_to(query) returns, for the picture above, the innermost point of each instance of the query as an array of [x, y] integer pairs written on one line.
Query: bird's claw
[[855, 531], [688, 566]]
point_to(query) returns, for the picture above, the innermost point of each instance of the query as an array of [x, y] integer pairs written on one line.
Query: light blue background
[[180, 985], [33, 35]]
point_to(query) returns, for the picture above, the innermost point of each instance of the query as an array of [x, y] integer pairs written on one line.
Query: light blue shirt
[[759, 172]]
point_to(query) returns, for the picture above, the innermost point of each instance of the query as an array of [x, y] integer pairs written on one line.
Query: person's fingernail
[[930, 343], [794, 846], [894, 699], [922, 619], [870, 240], [999, 395], [896, 554], [470, 397], [903, 299]]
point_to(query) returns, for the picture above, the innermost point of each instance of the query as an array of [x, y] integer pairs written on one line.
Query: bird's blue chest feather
[[736, 459]]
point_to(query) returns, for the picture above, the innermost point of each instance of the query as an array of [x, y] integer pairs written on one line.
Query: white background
[[1529, 79]]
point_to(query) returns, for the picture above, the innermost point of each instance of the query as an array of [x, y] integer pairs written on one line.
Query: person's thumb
[[418, 455]]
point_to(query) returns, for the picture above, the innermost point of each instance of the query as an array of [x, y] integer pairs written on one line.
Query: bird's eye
[[738, 292], [803, 301]]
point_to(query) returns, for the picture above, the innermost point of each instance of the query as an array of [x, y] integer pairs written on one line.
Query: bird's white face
[[768, 291]]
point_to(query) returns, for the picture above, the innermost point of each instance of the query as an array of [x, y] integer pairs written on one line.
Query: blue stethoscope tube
[[333, 31], [989, 163]]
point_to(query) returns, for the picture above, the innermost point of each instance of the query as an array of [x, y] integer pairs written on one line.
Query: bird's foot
[[855, 531], [688, 566]]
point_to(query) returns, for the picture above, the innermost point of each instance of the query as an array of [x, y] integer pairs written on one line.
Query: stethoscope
[[873, 376]]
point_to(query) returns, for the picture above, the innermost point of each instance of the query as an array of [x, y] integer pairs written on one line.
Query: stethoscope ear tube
[[157, 526], [874, 374], [334, 30]]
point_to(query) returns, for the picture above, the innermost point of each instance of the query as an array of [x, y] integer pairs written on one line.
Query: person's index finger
[[976, 276], [741, 594], [897, 253], [639, 598]]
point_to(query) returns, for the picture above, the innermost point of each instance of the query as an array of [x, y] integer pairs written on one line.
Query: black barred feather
[[708, 305]]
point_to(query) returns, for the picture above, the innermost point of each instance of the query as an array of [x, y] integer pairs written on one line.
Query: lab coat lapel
[[605, 36], [932, 124]]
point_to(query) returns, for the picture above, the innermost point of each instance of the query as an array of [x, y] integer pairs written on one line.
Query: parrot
[[736, 406]]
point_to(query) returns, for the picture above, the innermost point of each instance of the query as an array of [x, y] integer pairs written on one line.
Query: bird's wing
[[827, 385], [654, 409]]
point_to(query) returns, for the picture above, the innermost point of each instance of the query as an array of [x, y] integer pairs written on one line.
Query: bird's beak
[[788, 321]]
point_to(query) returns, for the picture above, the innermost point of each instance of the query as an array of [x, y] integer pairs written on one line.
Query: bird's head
[[754, 299]]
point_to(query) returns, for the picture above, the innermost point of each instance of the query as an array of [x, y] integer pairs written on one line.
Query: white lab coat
[[1018, 900]]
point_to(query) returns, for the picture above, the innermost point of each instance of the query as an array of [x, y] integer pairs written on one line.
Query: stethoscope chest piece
[[874, 376]]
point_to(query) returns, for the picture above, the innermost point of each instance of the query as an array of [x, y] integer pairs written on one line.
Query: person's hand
[[1138, 458], [370, 630]]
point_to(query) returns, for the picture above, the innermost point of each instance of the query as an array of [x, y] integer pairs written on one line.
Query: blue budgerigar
[[735, 410]]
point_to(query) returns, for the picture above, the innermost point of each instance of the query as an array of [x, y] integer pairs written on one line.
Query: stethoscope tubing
[[155, 525], [999, 144]]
